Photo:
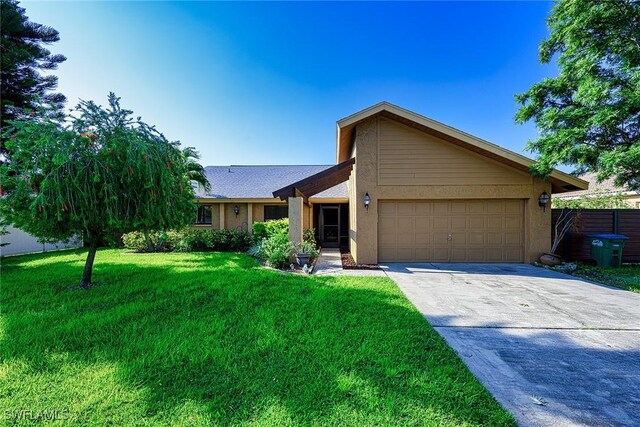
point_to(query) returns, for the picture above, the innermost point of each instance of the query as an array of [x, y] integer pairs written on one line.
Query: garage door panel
[[476, 254], [476, 222], [440, 208], [405, 240], [440, 223], [405, 208], [387, 209], [513, 254], [405, 254], [423, 240], [476, 238], [513, 239], [405, 225], [458, 231], [440, 238], [458, 255], [424, 224], [423, 208], [458, 223], [423, 253], [494, 222], [513, 206], [513, 222], [495, 207], [494, 255], [440, 254], [458, 207], [458, 239], [494, 238], [387, 225], [387, 254]]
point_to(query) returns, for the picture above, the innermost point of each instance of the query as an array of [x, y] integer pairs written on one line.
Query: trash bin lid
[[609, 236]]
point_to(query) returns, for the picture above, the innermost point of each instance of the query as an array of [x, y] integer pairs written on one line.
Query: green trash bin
[[606, 249]]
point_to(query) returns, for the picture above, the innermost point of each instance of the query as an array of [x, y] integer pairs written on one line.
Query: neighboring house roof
[[598, 188], [560, 181], [259, 182]]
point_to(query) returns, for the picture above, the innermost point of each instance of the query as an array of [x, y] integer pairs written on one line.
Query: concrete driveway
[[552, 349]]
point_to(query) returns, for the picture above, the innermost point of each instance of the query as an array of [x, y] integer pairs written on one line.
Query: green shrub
[[277, 251], [309, 235], [194, 240], [231, 240], [134, 241], [260, 230], [191, 240], [264, 230], [277, 227]]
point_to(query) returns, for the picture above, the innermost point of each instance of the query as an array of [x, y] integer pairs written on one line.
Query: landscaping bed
[[349, 264], [215, 339]]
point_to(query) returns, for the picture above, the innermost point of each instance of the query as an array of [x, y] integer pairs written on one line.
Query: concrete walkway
[[554, 350], [330, 263]]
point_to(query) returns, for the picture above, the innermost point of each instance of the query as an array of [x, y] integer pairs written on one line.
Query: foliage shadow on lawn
[[215, 338]]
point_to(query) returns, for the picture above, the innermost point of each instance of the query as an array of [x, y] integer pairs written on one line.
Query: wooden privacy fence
[[575, 246]]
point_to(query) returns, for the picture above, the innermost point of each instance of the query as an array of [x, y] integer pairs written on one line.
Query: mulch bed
[[349, 264]]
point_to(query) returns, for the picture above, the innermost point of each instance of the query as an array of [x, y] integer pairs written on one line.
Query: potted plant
[[305, 252], [562, 225]]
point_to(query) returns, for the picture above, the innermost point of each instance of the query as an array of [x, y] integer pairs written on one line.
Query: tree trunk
[[150, 246], [88, 266]]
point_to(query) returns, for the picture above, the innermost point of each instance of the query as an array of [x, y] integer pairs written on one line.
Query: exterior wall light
[[543, 200], [236, 210], [367, 201]]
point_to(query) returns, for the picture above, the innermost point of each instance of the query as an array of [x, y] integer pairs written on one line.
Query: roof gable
[[561, 181]]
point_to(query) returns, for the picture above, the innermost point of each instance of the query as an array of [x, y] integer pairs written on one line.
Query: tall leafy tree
[[589, 115], [24, 56], [99, 173]]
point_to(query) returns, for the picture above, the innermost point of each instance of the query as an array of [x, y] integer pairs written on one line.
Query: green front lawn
[[626, 277], [213, 338]]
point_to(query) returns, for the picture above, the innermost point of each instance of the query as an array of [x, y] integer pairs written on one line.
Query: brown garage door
[[451, 230]]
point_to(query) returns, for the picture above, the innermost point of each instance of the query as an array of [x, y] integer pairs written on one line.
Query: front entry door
[[330, 226]]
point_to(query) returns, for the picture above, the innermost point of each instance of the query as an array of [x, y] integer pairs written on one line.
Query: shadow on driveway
[[553, 349]]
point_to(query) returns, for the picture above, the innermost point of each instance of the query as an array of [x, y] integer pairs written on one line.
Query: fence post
[[616, 221]]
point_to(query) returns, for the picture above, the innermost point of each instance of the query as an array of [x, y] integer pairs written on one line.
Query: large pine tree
[[24, 57]]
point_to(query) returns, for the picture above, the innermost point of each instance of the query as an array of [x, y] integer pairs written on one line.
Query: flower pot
[[303, 259], [550, 259]]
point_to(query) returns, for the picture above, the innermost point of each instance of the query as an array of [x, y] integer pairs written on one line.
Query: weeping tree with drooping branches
[[98, 173]]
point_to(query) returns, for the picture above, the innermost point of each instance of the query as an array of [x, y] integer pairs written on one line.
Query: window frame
[[204, 218], [278, 207]]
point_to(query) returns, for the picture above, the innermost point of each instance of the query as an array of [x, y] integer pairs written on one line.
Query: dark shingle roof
[[259, 182]]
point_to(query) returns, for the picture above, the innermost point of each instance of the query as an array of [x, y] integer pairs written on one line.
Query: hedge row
[[189, 240]]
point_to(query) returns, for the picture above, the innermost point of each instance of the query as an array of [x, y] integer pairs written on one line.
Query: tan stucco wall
[[233, 222], [243, 220], [306, 213], [258, 212], [363, 225], [353, 199]]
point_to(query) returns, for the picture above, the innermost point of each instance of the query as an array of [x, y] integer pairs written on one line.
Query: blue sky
[[264, 83]]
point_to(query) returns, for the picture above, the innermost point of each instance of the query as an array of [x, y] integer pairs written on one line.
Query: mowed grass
[[215, 339], [626, 277]]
